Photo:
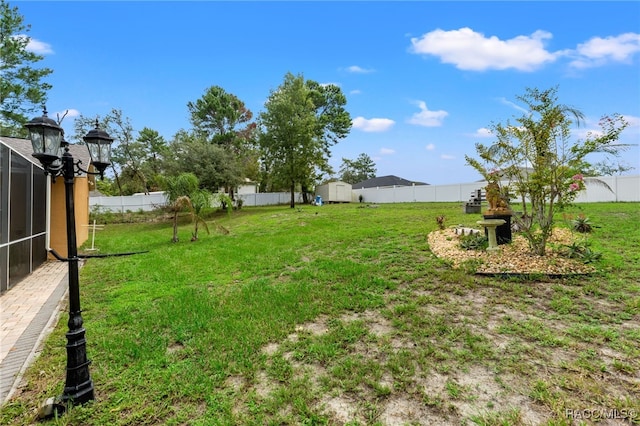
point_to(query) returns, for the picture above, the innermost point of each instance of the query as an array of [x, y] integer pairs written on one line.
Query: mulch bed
[[513, 258]]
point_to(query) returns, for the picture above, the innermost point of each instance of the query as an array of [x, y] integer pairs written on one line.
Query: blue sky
[[423, 80]]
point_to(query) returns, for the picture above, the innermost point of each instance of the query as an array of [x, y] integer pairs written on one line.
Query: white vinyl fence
[[269, 198], [623, 188], [130, 203], [134, 203]]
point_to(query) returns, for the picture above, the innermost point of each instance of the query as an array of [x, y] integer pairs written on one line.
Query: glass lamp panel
[[37, 141], [45, 140], [105, 152], [52, 138], [93, 150], [100, 151]]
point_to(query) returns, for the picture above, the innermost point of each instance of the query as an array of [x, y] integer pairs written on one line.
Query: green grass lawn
[[340, 314]]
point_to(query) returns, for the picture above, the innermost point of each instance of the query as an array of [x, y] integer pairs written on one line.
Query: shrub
[[474, 242], [581, 251], [581, 224]]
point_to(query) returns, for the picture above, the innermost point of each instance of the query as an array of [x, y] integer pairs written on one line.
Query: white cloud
[[359, 70], [372, 124], [70, 113], [355, 92], [427, 118], [329, 84], [36, 46], [599, 51], [447, 157], [430, 147], [387, 151], [473, 51], [631, 120], [483, 132]]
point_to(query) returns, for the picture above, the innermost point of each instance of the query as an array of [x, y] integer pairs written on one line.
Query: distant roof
[[385, 181], [24, 148]]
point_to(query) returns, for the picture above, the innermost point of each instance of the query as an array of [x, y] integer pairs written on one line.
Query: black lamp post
[[47, 138]]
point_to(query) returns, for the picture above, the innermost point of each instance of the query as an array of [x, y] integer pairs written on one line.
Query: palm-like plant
[[180, 204], [178, 190], [200, 201], [581, 224]]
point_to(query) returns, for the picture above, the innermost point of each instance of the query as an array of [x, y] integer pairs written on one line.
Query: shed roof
[[339, 182]]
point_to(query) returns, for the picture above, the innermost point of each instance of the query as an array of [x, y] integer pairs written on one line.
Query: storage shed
[[334, 192]]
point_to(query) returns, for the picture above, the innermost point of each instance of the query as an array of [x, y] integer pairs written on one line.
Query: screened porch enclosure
[[23, 216]]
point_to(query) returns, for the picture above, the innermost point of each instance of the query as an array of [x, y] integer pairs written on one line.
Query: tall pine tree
[[22, 89]]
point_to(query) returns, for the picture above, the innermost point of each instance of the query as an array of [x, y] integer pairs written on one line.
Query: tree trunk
[[175, 227], [144, 181], [115, 173], [229, 190], [194, 234], [305, 197], [293, 195]]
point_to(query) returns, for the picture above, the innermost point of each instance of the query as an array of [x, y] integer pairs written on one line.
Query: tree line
[[285, 148], [288, 145]]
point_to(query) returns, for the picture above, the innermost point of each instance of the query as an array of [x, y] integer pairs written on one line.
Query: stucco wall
[[58, 235]]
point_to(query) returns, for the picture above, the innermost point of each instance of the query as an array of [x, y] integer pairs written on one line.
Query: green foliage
[[358, 170], [213, 165], [474, 241], [539, 161], [226, 203], [222, 119], [100, 214], [22, 91], [200, 201], [184, 184], [581, 224], [580, 250], [151, 150], [127, 156], [179, 190], [106, 186], [301, 121]]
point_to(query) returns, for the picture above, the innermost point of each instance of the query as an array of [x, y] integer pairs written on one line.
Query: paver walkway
[[28, 313]]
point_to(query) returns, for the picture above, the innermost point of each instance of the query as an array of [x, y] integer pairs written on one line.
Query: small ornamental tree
[[200, 201], [178, 190], [541, 163]]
